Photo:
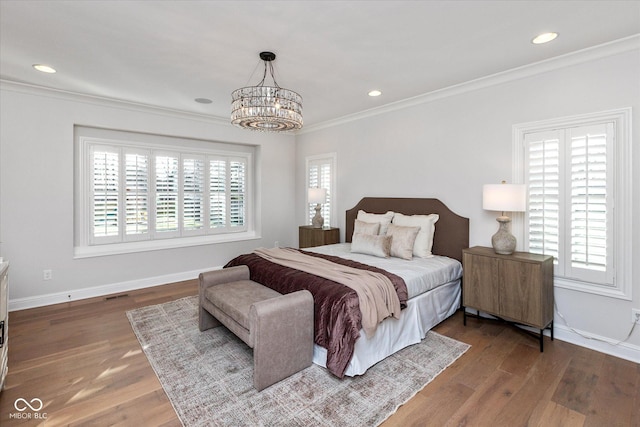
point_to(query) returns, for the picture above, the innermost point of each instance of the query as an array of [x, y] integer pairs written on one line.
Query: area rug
[[208, 376]]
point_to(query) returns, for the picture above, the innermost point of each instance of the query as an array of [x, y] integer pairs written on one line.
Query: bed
[[432, 288]]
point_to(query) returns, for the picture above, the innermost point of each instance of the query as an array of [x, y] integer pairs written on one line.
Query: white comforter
[[420, 274]]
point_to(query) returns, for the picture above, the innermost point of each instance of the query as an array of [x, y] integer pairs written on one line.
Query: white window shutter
[[167, 192], [136, 194], [217, 193], [594, 185], [193, 190], [105, 194], [590, 195], [569, 176], [544, 181], [237, 193]]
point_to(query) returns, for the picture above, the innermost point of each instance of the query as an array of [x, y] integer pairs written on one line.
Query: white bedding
[[420, 274], [434, 294]]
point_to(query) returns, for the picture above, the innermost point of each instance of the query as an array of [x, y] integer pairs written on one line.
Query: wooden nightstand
[[309, 236], [517, 288]]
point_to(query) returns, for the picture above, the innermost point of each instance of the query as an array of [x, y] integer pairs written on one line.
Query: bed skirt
[[423, 312]]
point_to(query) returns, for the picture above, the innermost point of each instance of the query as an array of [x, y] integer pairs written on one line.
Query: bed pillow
[[370, 244], [424, 241], [402, 240], [364, 227], [383, 219]]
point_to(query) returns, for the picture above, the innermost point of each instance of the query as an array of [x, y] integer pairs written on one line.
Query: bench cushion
[[235, 298]]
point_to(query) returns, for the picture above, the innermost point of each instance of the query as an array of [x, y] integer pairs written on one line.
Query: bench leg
[[206, 320]]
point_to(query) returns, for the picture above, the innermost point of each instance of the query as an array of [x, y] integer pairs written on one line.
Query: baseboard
[[602, 344], [98, 291]]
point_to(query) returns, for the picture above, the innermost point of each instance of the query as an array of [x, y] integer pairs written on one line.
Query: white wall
[[36, 196], [449, 146]]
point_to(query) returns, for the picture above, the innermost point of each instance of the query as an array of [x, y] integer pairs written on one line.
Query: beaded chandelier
[[266, 108]]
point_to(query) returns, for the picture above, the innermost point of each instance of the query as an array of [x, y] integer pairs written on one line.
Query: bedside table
[[516, 288], [310, 236]]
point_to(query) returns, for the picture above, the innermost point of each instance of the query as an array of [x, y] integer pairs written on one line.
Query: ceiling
[[167, 53]]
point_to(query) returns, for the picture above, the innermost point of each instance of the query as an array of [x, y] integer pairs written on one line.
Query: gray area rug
[[208, 376]]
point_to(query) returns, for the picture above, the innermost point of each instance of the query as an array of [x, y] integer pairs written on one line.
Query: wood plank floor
[[85, 364]]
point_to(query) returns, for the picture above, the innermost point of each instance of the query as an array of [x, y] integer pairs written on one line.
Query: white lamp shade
[[504, 197], [317, 195]]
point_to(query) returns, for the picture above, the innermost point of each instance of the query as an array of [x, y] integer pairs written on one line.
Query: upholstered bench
[[279, 328]]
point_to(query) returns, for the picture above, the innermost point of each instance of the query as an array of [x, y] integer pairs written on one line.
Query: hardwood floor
[[85, 364]]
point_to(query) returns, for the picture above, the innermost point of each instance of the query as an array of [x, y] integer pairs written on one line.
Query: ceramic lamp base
[[317, 221], [503, 241]]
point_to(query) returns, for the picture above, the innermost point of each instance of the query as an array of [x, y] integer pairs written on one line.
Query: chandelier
[[266, 108]]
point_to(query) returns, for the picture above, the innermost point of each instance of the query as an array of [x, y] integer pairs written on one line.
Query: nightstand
[[310, 236], [516, 288]]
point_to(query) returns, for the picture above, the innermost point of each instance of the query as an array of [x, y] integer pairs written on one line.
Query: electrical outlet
[[47, 275], [635, 315]]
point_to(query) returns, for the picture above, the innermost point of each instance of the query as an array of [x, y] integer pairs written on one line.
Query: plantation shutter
[[136, 194], [590, 194], [543, 178], [217, 193], [105, 193], [167, 191], [570, 180], [237, 193], [193, 190]]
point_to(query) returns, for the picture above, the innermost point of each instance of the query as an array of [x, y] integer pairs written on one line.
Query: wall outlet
[[635, 315], [47, 274]]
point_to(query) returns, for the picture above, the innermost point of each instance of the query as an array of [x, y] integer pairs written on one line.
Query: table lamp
[[505, 198], [317, 196]]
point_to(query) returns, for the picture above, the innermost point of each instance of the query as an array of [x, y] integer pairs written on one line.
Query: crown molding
[[573, 58], [32, 89]]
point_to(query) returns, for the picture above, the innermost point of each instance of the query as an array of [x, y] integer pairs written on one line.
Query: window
[[145, 195], [577, 171], [321, 174]]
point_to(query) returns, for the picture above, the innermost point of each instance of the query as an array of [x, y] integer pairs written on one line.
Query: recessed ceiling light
[[203, 100], [544, 38], [44, 68], [375, 93]]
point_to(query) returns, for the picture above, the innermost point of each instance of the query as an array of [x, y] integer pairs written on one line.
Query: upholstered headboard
[[452, 230]]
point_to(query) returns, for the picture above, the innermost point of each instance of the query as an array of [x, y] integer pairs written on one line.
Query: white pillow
[[402, 240], [424, 241], [383, 219], [364, 227], [370, 244]]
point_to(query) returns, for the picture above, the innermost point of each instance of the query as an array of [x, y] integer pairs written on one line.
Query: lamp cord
[[593, 338]]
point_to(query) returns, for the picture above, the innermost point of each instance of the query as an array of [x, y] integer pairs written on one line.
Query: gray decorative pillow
[[402, 240], [364, 227], [370, 244]]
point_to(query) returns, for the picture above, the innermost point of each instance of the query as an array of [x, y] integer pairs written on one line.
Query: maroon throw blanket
[[337, 315]]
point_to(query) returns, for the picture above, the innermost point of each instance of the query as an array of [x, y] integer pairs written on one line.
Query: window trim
[[622, 247], [83, 248]]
